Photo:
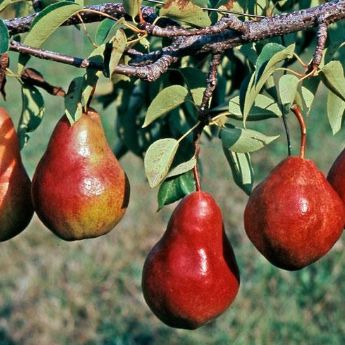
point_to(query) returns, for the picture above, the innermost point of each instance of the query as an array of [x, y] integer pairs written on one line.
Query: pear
[[336, 175], [191, 275], [16, 209], [79, 188], [294, 217]]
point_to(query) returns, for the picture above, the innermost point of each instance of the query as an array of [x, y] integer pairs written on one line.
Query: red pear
[[294, 216], [336, 175], [191, 276], [16, 209], [79, 188]]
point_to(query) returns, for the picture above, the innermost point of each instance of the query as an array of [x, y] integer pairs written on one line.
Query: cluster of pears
[[294, 217], [79, 190]]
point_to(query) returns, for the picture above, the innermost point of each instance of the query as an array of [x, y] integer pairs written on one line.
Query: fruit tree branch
[[227, 33]]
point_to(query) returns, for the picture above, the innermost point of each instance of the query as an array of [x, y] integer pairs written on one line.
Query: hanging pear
[[16, 209], [336, 175], [294, 217], [79, 188], [191, 276]]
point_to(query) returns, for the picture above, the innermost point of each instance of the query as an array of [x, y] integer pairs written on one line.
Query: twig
[[211, 86], [225, 23], [54, 56], [212, 40], [216, 10], [320, 46], [149, 72]]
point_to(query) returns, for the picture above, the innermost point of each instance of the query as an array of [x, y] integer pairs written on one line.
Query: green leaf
[[158, 160], [263, 108], [182, 167], [5, 3], [4, 37], [45, 24], [249, 52], [304, 98], [241, 169], [267, 53], [103, 30], [118, 42], [335, 111], [174, 189], [243, 140], [73, 105], [167, 100], [132, 7], [48, 20], [332, 75], [288, 84], [270, 56], [92, 75], [32, 112], [195, 80], [185, 11]]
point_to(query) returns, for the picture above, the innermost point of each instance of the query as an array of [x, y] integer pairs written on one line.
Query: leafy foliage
[[256, 82]]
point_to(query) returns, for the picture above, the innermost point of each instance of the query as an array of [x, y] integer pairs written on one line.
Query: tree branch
[[228, 33], [90, 15]]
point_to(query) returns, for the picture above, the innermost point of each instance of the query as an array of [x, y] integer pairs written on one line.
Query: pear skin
[[191, 275], [79, 188], [294, 217], [16, 208], [336, 175]]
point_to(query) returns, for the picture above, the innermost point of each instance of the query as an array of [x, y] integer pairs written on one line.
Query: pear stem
[[196, 178], [90, 98], [297, 111]]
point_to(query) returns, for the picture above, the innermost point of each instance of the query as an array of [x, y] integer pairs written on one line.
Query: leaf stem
[[304, 65], [190, 130], [300, 75]]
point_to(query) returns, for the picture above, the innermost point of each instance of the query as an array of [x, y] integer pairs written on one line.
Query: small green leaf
[[288, 84], [118, 42], [168, 99], [48, 20], [304, 99], [243, 140], [4, 37], [241, 168], [103, 30], [195, 80], [91, 76], [132, 7], [32, 113], [185, 11], [73, 105], [270, 56], [182, 167], [263, 108], [267, 53], [5, 3], [335, 111], [158, 160], [332, 75], [175, 188], [249, 52], [45, 24]]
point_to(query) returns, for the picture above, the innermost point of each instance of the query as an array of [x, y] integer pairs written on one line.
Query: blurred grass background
[[88, 292]]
